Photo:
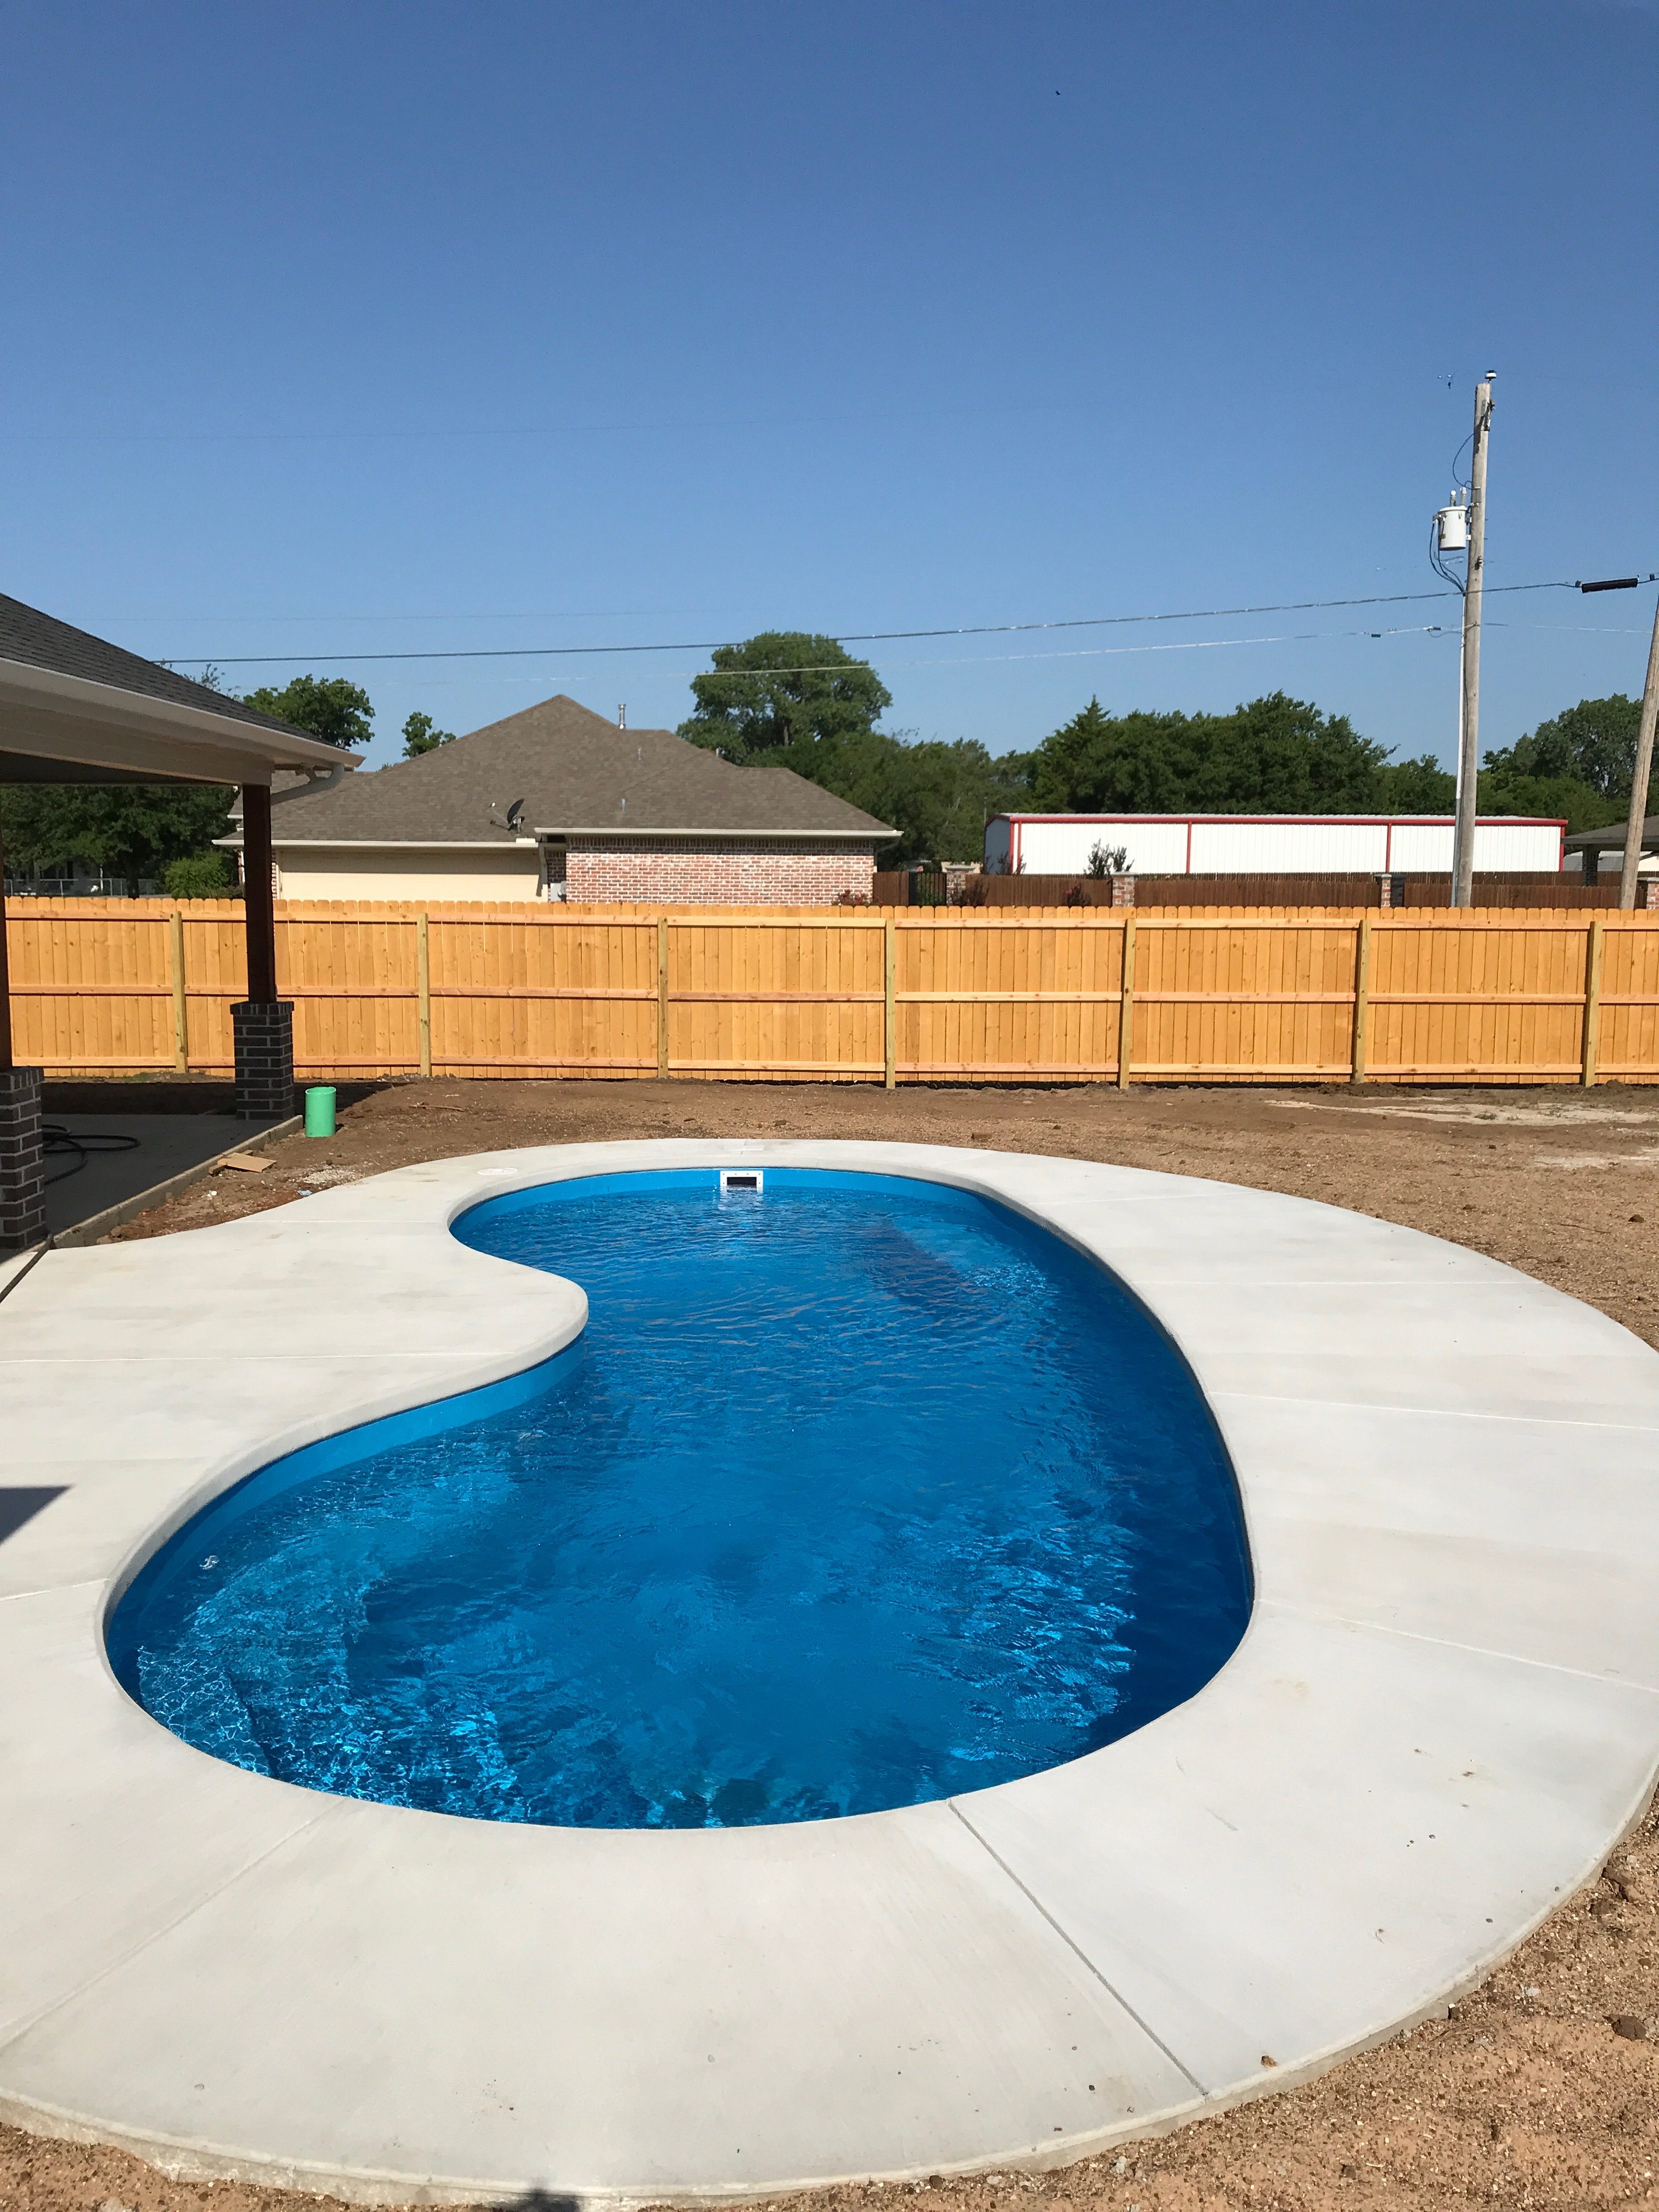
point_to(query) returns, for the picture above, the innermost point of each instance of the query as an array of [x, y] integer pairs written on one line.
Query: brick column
[[23, 1162], [265, 1059], [1123, 890]]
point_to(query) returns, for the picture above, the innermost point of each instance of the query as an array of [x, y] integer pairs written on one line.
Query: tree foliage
[[1275, 756], [422, 735], [201, 875], [1282, 755], [1419, 785], [131, 831], [1578, 764], [329, 707], [1500, 792], [938, 794], [800, 701], [796, 700], [1593, 744], [783, 693]]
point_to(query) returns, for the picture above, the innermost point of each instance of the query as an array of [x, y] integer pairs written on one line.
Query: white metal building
[[1266, 844]]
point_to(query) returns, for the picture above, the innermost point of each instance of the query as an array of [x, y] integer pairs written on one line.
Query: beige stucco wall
[[515, 873]]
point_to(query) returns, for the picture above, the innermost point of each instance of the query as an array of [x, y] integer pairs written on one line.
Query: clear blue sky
[[353, 329]]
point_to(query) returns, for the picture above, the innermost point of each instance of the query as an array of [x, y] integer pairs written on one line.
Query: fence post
[[180, 1008], [1592, 999], [889, 950], [662, 994], [423, 989], [1125, 1005], [1362, 998]]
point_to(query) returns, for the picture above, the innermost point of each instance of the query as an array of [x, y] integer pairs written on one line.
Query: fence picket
[[911, 995]]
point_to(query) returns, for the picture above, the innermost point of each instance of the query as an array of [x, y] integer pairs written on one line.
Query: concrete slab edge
[[97, 1226]]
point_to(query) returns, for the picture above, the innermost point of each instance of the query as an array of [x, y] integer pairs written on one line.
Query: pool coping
[[1443, 1714]]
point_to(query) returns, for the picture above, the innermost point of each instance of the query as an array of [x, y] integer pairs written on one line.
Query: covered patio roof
[[76, 709]]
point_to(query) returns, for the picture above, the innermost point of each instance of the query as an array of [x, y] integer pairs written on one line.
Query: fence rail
[[1011, 994], [1524, 890]]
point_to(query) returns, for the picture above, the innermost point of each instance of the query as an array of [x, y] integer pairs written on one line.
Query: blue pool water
[[853, 1493]]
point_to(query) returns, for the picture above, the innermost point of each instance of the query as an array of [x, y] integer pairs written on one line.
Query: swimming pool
[[858, 1491]]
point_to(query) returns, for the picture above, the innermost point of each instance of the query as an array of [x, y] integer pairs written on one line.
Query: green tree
[[1500, 791], [1415, 787], [329, 707], [130, 831], [793, 699], [421, 735], [201, 875], [1275, 755], [784, 692], [938, 794], [1592, 744]]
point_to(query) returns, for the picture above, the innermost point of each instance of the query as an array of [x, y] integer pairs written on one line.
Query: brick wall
[[264, 1043], [727, 871], [22, 1164]]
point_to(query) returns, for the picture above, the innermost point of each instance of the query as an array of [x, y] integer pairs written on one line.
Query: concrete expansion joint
[[1608, 1676], [156, 1935], [44, 1591], [1386, 1406], [1073, 1945]]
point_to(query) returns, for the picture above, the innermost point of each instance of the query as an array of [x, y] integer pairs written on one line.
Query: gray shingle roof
[[573, 770], [1613, 836], [40, 640]]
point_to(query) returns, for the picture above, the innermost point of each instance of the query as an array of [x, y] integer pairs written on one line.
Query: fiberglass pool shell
[[857, 1492]]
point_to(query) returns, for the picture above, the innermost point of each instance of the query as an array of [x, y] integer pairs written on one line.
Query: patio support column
[[23, 1162], [263, 1023]]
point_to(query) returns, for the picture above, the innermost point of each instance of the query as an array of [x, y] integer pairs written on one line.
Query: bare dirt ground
[[1542, 2088]]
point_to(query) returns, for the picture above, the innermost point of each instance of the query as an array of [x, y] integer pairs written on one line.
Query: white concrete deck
[[1444, 1711]]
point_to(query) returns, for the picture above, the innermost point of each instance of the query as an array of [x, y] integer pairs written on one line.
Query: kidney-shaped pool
[[857, 1491]]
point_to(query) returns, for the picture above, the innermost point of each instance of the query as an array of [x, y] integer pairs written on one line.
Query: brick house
[[557, 802]]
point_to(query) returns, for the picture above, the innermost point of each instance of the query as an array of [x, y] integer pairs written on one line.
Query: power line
[[845, 637], [1113, 652]]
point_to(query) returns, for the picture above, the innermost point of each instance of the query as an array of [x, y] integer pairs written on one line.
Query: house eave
[[281, 844], [871, 837], [71, 720]]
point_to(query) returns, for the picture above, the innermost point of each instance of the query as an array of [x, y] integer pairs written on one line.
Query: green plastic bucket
[[319, 1110]]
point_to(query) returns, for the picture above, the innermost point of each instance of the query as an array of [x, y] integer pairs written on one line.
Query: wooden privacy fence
[[838, 993]]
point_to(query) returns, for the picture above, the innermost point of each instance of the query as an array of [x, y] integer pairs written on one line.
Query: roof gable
[[573, 771]]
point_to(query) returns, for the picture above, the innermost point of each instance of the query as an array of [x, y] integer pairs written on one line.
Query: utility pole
[[1468, 746], [1638, 782]]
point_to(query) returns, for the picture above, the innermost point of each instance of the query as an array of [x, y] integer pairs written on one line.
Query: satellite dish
[[513, 813]]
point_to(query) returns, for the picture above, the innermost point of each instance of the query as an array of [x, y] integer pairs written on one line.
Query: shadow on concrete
[[94, 1161], [159, 1094], [109, 1142], [18, 1507]]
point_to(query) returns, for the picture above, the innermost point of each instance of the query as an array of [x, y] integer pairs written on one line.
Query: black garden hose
[[58, 1142]]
